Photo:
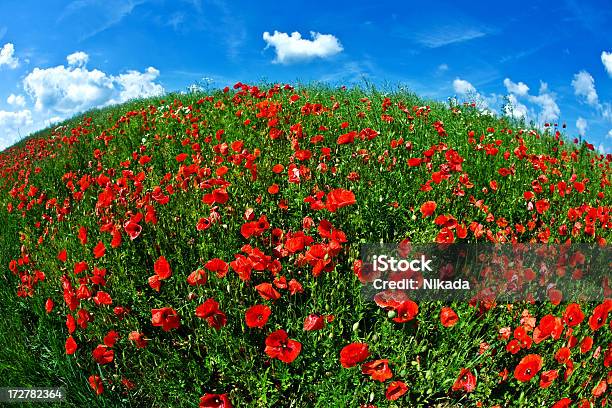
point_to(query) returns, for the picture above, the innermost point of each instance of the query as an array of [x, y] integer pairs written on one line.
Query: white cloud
[[447, 34], [515, 108], [53, 120], [12, 125], [519, 89], [463, 87], [77, 59], [584, 85], [609, 135], [90, 17], [513, 104], [136, 84], [606, 110], [7, 56], [484, 103], [294, 48], [16, 100], [606, 59], [547, 101], [61, 92], [69, 90], [582, 126]]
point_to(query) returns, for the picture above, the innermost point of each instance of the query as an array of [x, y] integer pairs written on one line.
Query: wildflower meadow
[[203, 250]]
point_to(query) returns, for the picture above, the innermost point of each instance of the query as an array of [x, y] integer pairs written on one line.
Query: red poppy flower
[[573, 316], [395, 390], [549, 326], [218, 266], [215, 401], [209, 310], [466, 381], [154, 282], [133, 229], [608, 356], [368, 134], [314, 322], [547, 378], [414, 161], [103, 355], [555, 296], [297, 242], [127, 383], [197, 277], [406, 311], [295, 287], [353, 354], [267, 291], [389, 299], [346, 138], [166, 318], [95, 382], [586, 344], [600, 389], [203, 224], [138, 338], [280, 346], [217, 196], [528, 367], [378, 370], [116, 240], [579, 186], [254, 228], [562, 355], [103, 298], [99, 250], [513, 346], [257, 316], [111, 338], [599, 316], [428, 208], [162, 268], [522, 337], [70, 324], [339, 198], [273, 189], [243, 267], [448, 317], [83, 318], [562, 403], [49, 305], [83, 235], [62, 256], [71, 345], [542, 206], [445, 236]]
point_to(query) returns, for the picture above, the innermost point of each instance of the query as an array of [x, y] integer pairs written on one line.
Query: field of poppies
[[204, 250]]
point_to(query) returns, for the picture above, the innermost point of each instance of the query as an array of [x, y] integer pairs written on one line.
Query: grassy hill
[[136, 240]]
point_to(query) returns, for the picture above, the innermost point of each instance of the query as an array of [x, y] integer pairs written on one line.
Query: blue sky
[[553, 60]]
